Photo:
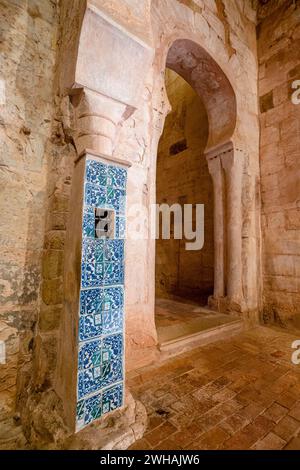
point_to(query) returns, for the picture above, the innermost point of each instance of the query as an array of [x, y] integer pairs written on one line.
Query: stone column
[[233, 164], [215, 169], [97, 118]]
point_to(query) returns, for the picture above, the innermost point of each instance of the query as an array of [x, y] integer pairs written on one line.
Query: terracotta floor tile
[[287, 428], [234, 395], [234, 423], [211, 440], [294, 444], [141, 444], [270, 442], [252, 410], [288, 399], [295, 411], [159, 434], [275, 412]]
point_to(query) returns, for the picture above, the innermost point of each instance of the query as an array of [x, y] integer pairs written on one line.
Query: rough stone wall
[[36, 166], [279, 66], [182, 177], [28, 47]]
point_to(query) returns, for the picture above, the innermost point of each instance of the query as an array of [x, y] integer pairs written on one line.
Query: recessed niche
[[104, 223]]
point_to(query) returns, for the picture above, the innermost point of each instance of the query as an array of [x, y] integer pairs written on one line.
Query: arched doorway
[[196, 134]]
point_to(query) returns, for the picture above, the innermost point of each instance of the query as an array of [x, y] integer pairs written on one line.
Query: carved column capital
[[97, 118]]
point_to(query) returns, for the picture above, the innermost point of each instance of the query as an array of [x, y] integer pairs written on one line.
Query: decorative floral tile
[[114, 274], [93, 408], [93, 251], [91, 301], [93, 274], [88, 225], [95, 195], [89, 381], [96, 172], [100, 357], [90, 326], [80, 410], [114, 250], [113, 297], [112, 360], [112, 321], [116, 198], [120, 227], [89, 355], [116, 177], [112, 398]]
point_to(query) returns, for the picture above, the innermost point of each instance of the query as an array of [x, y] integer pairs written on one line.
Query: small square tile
[[91, 383], [112, 398], [95, 195], [90, 327], [112, 360], [88, 225], [93, 408], [116, 177], [91, 301], [120, 228], [114, 297], [80, 410], [112, 321], [114, 274], [116, 198], [114, 250], [93, 251], [96, 172], [89, 355], [93, 274]]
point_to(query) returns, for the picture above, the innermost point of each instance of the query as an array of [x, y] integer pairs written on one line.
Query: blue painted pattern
[[100, 386]]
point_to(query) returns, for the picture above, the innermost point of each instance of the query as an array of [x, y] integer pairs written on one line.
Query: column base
[[44, 427], [116, 431], [225, 305], [251, 317]]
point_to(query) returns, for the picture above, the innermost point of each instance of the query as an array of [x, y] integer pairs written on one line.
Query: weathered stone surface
[[279, 160], [41, 127]]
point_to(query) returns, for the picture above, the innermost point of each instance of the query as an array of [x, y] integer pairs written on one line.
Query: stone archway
[[225, 162]]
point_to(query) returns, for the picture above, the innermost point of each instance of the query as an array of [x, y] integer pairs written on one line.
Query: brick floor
[[243, 393]]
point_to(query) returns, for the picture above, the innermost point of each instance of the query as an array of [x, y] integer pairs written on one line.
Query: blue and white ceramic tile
[[112, 359], [114, 273], [91, 301], [89, 355], [112, 398], [116, 198], [120, 227], [114, 250], [88, 225], [116, 177], [90, 327], [112, 321], [95, 195], [96, 173], [100, 386], [114, 298], [93, 408]]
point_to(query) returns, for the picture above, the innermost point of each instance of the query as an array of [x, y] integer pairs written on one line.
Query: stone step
[[188, 342]]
